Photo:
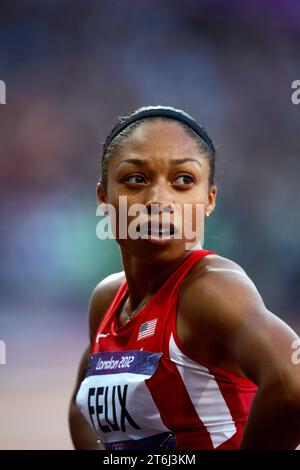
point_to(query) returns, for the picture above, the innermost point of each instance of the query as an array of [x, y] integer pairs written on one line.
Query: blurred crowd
[[72, 67]]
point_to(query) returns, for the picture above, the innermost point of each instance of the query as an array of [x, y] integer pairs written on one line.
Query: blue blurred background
[[71, 67]]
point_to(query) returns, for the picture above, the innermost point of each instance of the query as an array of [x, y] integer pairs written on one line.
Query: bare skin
[[221, 317]]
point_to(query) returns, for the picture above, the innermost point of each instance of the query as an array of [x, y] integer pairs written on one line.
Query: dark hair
[[127, 124]]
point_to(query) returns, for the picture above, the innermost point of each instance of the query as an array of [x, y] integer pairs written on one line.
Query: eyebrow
[[179, 161], [134, 161], [176, 161]]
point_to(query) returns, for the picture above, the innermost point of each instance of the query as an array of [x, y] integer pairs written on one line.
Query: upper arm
[[81, 371], [228, 305], [100, 300]]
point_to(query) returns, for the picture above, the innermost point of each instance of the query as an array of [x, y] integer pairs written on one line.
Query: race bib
[[117, 403]]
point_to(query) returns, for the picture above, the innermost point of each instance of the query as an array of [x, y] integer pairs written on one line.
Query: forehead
[[160, 136]]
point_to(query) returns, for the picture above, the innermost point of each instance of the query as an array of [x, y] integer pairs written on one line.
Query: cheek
[[193, 214], [198, 194]]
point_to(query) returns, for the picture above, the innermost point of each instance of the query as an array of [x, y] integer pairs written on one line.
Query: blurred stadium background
[[71, 67]]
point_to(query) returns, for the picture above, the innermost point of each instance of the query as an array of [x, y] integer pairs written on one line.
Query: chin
[[153, 253]]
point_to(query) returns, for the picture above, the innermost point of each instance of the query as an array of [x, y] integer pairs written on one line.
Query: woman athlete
[[183, 352]]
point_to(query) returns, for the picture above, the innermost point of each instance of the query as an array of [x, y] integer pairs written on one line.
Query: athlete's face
[[160, 167]]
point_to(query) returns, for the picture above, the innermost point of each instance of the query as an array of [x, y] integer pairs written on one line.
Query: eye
[[184, 180], [135, 179]]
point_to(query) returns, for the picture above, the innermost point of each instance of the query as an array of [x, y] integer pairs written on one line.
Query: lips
[[157, 229]]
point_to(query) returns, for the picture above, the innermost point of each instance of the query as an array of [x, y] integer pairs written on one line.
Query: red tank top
[[143, 390]]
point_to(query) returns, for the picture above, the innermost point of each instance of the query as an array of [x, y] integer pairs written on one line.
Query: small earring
[[207, 214]]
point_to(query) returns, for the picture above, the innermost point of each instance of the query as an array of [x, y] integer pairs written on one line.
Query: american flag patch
[[147, 329]]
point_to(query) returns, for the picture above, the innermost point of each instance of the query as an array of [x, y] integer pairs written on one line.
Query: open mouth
[[157, 230]]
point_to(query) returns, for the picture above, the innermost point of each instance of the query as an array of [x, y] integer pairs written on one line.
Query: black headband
[[159, 112]]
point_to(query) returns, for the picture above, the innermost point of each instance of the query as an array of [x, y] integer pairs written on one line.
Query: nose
[[155, 207], [159, 200]]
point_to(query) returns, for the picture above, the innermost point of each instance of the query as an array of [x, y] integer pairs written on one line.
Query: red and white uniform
[[143, 390]]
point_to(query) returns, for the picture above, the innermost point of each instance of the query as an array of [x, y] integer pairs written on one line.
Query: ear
[[101, 197], [212, 196]]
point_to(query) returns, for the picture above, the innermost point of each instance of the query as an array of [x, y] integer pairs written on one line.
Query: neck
[[144, 278]]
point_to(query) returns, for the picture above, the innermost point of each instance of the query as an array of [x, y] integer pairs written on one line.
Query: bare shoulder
[[218, 268], [101, 299], [220, 303], [218, 292], [215, 263]]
